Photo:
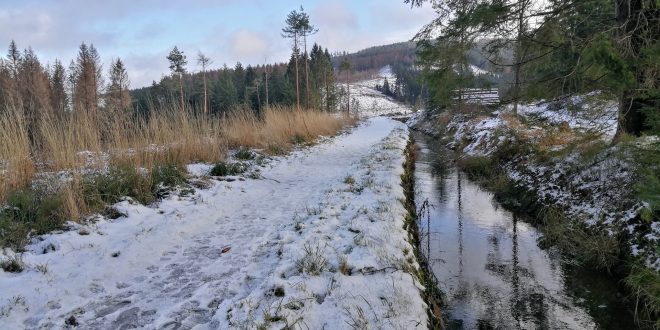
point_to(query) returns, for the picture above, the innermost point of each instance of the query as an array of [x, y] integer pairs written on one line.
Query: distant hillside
[[374, 58]]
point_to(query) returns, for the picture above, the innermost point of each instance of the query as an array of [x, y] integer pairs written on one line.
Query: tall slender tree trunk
[[348, 89], [519, 57], [266, 82], [296, 63], [258, 98], [206, 104], [306, 74], [181, 91], [327, 91], [461, 72]]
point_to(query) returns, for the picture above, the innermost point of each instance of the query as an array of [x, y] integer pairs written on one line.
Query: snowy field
[[317, 243], [370, 102]]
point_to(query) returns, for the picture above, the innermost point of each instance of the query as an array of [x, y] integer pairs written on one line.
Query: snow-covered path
[[317, 244]]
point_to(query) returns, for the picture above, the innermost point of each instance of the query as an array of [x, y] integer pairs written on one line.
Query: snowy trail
[[168, 266]]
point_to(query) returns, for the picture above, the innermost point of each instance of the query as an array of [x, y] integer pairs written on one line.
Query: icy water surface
[[490, 267]]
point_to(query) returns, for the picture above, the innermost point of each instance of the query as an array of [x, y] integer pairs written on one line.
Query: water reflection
[[487, 261]]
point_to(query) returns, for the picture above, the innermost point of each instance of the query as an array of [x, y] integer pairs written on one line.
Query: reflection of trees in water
[[460, 228], [509, 295]]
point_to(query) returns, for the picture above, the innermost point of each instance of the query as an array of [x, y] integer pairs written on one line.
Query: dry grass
[[16, 161], [166, 137], [281, 128]]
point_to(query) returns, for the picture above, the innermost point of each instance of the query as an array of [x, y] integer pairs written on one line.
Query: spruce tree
[[59, 99], [118, 96]]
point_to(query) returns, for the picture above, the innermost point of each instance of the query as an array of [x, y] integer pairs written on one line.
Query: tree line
[[307, 80], [49, 92], [217, 91]]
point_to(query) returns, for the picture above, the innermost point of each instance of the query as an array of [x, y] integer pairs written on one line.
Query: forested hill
[[374, 58]]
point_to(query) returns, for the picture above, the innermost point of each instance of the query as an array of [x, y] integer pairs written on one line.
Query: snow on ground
[[369, 102], [477, 70], [585, 114], [317, 243]]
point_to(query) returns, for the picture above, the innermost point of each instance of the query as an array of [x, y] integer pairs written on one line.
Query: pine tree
[[224, 97], [346, 67], [118, 95], [329, 82], [59, 98], [13, 63], [239, 82], [386, 88], [178, 67], [306, 29], [622, 53], [204, 61], [293, 30]]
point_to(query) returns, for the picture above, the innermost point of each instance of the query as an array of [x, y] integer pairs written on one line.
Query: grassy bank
[[592, 247], [68, 168], [432, 295]]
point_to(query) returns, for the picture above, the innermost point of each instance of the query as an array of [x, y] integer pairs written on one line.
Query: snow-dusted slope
[[242, 253], [367, 101]]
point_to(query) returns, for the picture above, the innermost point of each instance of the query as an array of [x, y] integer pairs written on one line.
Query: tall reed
[[79, 140]]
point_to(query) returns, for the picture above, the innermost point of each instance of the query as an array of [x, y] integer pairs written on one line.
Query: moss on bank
[[432, 295]]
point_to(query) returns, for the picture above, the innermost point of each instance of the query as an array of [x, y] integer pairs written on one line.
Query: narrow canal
[[489, 265]]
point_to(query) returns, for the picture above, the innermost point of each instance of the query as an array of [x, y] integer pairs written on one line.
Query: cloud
[[142, 32], [334, 15], [248, 45], [145, 68]]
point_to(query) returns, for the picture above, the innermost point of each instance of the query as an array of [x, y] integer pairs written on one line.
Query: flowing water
[[490, 267]]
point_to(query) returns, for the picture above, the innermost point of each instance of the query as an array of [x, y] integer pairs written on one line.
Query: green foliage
[[168, 175], [477, 167], [607, 66], [644, 283], [588, 247], [246, 87], [122, 180], [298, 139], [29, 212], [225, 169], [244, 154], [648, 186]]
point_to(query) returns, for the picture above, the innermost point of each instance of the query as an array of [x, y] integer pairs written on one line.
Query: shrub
[[244, 154], [225, 169], [164, 178], [121, 181], [349, 180], [27, 212], [13, 265]]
